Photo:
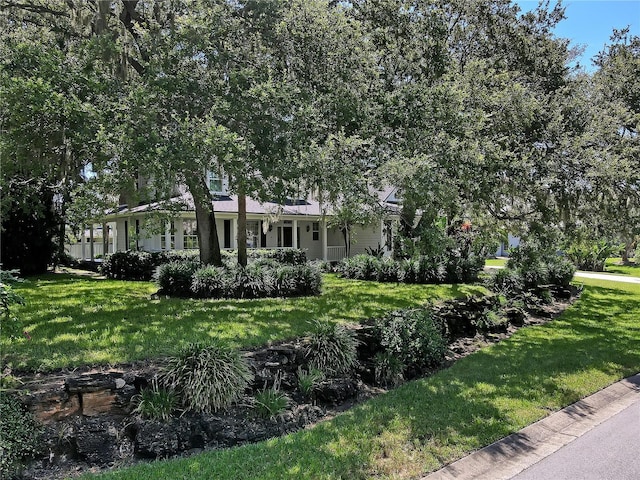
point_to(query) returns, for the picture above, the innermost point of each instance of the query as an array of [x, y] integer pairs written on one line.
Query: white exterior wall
[[365, 237]]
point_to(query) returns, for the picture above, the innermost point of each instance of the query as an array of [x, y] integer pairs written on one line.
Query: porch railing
[[336, 253]]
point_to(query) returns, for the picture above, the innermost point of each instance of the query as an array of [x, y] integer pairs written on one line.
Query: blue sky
[[591, 22]]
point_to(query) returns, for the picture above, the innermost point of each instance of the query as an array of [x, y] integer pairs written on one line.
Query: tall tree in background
[[617, 133], [50, 110]]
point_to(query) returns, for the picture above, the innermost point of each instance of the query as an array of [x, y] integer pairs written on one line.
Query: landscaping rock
[[95, 403], [52, 406], [92, 382], [156, 439], [336, 390], [97, 442]]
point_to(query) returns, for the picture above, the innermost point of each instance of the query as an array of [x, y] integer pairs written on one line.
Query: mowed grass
[[495, 262], [613, 266], [426, 424], [77, 320]]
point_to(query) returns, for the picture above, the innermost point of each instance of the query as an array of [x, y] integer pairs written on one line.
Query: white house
[[298, 223]]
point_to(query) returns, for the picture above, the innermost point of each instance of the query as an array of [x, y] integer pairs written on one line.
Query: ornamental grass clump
[[271, 401], [155, 402], [308, 380], [332, 348], [207, 378]]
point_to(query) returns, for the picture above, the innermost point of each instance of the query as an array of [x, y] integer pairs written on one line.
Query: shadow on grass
[[75, 320], [425, 424]]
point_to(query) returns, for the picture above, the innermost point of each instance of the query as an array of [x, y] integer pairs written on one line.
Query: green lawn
[[495, 262], [428, 423], [612, 266], [78, 320]]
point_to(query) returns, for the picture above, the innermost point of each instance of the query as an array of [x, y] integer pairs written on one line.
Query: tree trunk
[[207, 234], [242, 229], [105, 240], [628, 246], [206, 220]]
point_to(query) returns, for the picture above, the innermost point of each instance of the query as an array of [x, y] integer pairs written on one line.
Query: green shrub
[[175, 277], [538, 266], [252, 281], [460, 269], [10, 326], [293, 256], [413, 337], [560, 271], [207, 378], [388, 270], [210, 282], [290, 256], [129, 265], [155, 403], [140, 265], [308, 380], [332, 348], [388, 369], [422, 269], [305, 280], [19, 435], [491, 321], [505, 281], [591, 254]]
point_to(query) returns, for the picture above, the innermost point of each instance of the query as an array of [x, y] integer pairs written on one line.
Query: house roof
[[229, 204]]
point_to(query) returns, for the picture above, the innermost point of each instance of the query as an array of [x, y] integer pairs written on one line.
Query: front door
[[285, 236]]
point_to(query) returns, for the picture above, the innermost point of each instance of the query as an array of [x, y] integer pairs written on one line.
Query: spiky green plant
[[207, 378], [332, 348], [308, 380], [155, 402], [269, 402]]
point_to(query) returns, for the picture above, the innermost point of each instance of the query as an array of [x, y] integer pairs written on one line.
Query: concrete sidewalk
[[607, 276], [582, 274], [507, 457]]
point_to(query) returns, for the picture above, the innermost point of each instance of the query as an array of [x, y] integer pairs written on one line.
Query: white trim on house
[[294, 224]]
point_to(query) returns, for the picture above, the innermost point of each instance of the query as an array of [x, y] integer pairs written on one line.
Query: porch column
[[114, 233], [295, 233], [325, 232], [91, 252], [234, 233], [83, 242]]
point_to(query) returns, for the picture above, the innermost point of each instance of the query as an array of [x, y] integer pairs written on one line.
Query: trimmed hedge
[[140, 265], [260, 279], [424, 270]]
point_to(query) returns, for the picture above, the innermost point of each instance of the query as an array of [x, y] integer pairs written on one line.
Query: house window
[[215, 182], [316, 230], [168, 237], [190, 234], [252, 235]]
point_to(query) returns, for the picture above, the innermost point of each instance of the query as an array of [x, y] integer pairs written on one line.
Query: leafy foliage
[[388, 369], [175, 277], [331, 348], [590, 255], [128, 265], [9, 326], [413, 337], [155, 403], [19, 435], [539, 264], [271, 401], [421, 269], [308, 380], [207, 378]]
